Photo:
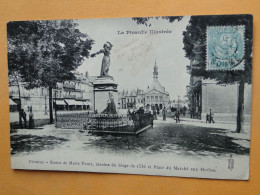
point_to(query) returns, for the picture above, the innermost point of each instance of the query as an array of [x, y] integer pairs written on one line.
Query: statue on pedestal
[[106, 59]]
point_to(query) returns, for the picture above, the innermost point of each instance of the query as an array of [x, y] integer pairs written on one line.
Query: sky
[[133, 55]]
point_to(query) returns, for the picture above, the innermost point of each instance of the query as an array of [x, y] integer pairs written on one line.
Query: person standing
[[31, 119], [211, 116], [24, 117], [164, 113], [154, 114], [177, 116], [207, 118], [151, 119]]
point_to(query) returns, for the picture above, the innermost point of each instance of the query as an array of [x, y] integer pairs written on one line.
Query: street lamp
[[178, 102]]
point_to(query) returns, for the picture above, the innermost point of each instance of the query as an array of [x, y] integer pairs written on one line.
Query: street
[[188, 138]]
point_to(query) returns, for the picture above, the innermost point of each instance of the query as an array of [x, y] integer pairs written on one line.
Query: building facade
[[154, 96], [69, 95], [205, 95], [223, 100]]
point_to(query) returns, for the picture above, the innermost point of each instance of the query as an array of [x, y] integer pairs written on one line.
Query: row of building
[[68, 95], [78, 94]]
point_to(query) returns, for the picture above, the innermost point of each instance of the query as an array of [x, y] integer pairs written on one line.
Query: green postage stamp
[[225, 48]]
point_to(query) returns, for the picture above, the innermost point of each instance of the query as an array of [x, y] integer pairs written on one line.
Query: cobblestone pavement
[[187, 138]]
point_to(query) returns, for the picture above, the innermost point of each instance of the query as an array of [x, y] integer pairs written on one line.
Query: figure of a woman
[[111, 107], [106, 59]]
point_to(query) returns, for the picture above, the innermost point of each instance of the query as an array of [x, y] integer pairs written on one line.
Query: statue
[[111, 107], [106, 59]]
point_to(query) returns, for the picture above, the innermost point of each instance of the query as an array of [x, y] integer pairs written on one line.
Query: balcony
[[11, 93], [78, 90], [69, 85], [70, 96]]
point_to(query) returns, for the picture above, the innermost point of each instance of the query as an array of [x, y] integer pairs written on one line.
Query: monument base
[[104, 88]]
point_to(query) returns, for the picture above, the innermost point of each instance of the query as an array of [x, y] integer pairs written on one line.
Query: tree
[[195, 49], [145, 20], [44, 53], [14, 80]]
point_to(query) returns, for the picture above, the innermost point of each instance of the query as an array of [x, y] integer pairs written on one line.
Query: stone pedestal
[[102, 87]]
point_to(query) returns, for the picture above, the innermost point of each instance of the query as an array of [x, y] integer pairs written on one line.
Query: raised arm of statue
[[99, 52]]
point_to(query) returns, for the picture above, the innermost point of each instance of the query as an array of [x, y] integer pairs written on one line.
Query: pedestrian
[[31, 120], [164, 113], [24, 117], [207, 118], [151, 119], [177, 116], [211, 114], [128, 112], [193, 109], [154, 114], [191, 112]]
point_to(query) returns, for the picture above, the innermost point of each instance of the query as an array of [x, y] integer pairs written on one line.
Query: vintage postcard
[[167, 96]]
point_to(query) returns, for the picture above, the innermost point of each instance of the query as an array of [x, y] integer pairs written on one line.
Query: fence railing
[[103, 122]]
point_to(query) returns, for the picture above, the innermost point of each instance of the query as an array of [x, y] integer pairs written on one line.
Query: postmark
[[225, 48]]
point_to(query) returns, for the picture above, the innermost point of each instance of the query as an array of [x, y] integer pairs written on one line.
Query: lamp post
[[178, 102]]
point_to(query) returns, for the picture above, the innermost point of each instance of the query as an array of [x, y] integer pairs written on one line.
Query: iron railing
[[103, 122]]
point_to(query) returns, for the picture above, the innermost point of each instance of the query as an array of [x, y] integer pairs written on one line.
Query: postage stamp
[[225, 47]]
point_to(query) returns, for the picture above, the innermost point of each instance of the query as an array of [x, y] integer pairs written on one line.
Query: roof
[[157, 86], [11, 102], [148, 91]]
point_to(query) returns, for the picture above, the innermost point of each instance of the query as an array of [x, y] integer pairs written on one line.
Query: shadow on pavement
[[176, 138], [32, 143]]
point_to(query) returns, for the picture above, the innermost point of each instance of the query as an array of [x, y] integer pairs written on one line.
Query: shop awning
[[11, 102], [80, 103], [60, 102], [87, 103], [139, 105], [71, 102]]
